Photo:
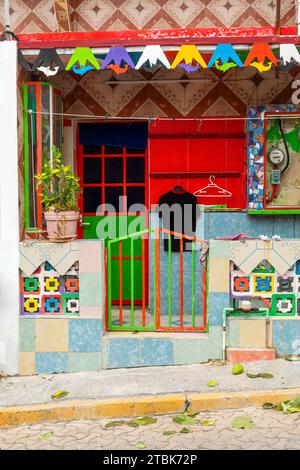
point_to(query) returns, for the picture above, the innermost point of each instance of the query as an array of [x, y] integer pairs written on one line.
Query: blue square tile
[[157, 352], [85, 335], [50, 362], [286, 336], [217, 301], [123, 352]]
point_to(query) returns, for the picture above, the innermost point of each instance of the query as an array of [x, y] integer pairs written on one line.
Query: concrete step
[[236, 355]]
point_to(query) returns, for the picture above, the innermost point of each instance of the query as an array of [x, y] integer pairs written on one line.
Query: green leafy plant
[[59, 186]]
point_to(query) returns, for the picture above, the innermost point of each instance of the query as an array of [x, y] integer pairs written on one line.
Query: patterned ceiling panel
[[206, 93], [33, 16]]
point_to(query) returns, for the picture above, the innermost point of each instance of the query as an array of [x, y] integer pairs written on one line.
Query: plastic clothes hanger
[[212, 190]]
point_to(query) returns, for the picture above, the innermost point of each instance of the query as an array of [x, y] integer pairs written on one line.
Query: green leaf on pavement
[[242, 422], [140, 445], [184, 420], [266, 376], [208, 422], [46, 435], [293, 409], [113, 424], [212, 383], [185, 431], [59, 394], [191, 412], [144, 421], [292, 358], [169, 433], [268, 406], [253, 376]]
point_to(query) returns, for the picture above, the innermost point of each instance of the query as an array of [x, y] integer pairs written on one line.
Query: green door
[[108, 173]]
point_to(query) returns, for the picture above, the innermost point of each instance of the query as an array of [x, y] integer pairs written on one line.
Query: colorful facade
[[143, 98]]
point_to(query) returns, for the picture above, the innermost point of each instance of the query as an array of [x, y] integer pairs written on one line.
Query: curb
[[70, 410]]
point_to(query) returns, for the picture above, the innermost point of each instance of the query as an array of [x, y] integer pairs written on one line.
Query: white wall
[[9, 218]]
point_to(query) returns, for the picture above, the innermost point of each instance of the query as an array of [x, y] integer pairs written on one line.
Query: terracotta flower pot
[[62, 226]]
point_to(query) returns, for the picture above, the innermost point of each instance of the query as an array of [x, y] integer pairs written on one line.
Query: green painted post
[[26, 156], [193, 283], [169, 282], [132, 281], [109, 284]]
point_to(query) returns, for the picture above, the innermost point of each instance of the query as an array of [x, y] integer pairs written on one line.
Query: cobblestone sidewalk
[[272, 430]]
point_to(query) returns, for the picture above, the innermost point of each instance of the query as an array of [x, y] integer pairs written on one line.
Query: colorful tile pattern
[[283, 292], [48, 293]]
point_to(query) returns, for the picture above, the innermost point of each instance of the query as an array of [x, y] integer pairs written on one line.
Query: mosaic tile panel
[[48, 293], [282, 292]]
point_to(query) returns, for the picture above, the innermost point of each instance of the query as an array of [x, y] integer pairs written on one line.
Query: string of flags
[[188, 57]]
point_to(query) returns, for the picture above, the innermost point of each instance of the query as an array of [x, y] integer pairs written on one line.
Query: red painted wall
[[211, 147]]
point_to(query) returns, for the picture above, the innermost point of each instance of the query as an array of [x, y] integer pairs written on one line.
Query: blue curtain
[[132, 135]]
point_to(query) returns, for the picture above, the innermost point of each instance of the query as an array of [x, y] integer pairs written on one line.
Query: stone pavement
[[272, 430], [147, 381]]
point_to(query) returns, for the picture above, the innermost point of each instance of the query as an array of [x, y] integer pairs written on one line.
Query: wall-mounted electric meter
[[276, 156]]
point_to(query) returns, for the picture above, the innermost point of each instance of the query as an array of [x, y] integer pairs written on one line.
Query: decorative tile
[[285, 284], [263, 284], [85, 335], [283, 305], [51, 335], [82, 362], [70, 304], [241, 285], [27, 334], [51, 362], [42, 293]]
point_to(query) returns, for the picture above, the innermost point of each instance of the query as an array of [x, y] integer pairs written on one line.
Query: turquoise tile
[[219, 249], [215, 343], [51, 362], [90, 289], [191, 351], [157, 352], [27, 334], [216, 303], [286, 336], [85, 335], [81, 362], [122, 352]]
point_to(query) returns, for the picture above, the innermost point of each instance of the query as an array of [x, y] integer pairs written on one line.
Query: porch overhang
[[163, 37]]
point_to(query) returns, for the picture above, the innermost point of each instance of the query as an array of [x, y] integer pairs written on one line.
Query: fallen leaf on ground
[[191, 412], [242, 422], [144, 421], [185, 431], [113, 424], [253, 376], [212, 383], [182, 419], [208, 422], [292, 358], [169, 433], [59, 394], [140, 445], [46, 435], [268, 406], [264, 375]]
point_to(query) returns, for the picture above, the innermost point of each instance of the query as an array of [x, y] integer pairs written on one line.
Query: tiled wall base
[[60, 345], [240, 355]]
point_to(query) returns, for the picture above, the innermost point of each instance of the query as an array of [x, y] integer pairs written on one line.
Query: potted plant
[[60, 189]]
